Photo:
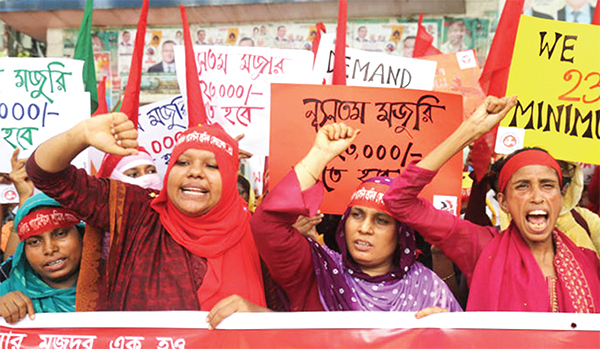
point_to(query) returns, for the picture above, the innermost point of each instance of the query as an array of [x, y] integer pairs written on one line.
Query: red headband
[[370, 194], [45, 220], [525, 158]]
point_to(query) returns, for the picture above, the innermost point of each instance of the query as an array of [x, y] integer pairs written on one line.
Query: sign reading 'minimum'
[[555, 71]]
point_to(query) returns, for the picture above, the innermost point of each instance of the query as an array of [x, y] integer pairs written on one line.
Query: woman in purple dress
[[376, 269]]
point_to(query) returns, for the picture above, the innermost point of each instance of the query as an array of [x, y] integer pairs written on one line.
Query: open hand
[[112, 133], [14, 306], [307, 225], [230, 305]]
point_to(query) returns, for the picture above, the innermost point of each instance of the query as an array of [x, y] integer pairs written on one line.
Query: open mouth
[[362, 245], [55, 263], [537, 219], [194, 191]]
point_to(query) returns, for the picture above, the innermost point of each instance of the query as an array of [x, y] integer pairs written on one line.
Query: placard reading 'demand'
[[555, 71], [235, 85], [39, 98], [364, 68]]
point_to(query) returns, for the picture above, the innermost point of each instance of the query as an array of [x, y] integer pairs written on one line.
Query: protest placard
[[235, 85], [39, 98], [397, 127], [159, 126], [555, 71], [364, 68], [459, 73]]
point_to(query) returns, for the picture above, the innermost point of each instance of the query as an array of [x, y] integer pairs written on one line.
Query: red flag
[[495, 72], [494, 78], [317, 39], [195, 105], [102, 106], [131, 99], [596, 18], [424, 42], [339, 65]]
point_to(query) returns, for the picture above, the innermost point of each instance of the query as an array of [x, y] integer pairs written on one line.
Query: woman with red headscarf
[[187, 247], [531, 266]]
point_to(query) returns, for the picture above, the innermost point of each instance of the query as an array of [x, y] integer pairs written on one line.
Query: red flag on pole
[[494, 78], [102, 106], [317, 39], [596, 18], [195, 105], [339, 65], [424, 42], [495, 72], [131, 100]]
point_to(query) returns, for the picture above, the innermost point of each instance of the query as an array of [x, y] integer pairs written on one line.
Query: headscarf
[[113, 166], [508, 278], [222, 235], [408, 286], [23, 278]]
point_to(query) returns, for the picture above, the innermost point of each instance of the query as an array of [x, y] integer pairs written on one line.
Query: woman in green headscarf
[[45, 265]]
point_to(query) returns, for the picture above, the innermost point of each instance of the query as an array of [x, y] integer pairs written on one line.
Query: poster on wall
[[432, 25], [574, 11]]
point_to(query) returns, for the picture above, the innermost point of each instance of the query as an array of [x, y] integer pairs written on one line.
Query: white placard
[[159, 126], [39, 98], [364, 68], [235, 85]]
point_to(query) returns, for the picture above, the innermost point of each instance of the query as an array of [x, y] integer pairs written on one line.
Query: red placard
[[397, 126]]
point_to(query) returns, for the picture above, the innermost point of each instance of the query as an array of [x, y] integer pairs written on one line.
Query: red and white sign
[[8, 194], [188, 329]]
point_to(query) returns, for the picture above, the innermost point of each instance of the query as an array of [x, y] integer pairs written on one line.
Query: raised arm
[[481, 121], [460, 240], [283, 249], [50, 171], [331, 141], [110, 133]]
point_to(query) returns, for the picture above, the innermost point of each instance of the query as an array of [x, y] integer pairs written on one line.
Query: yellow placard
[[555, 71]]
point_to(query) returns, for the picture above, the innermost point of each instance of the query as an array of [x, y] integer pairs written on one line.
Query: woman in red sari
[[531, 266]]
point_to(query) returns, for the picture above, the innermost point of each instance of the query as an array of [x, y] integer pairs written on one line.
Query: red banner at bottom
[[139, 334]]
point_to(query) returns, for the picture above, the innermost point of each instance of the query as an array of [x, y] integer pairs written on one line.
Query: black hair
[[244, 183]]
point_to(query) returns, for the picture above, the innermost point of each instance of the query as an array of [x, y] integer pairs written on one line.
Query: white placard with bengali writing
[[39, 98], [235, 84], [374, 69], [159, 125]]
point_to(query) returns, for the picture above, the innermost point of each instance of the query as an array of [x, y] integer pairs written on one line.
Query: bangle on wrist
[[308, 171]]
